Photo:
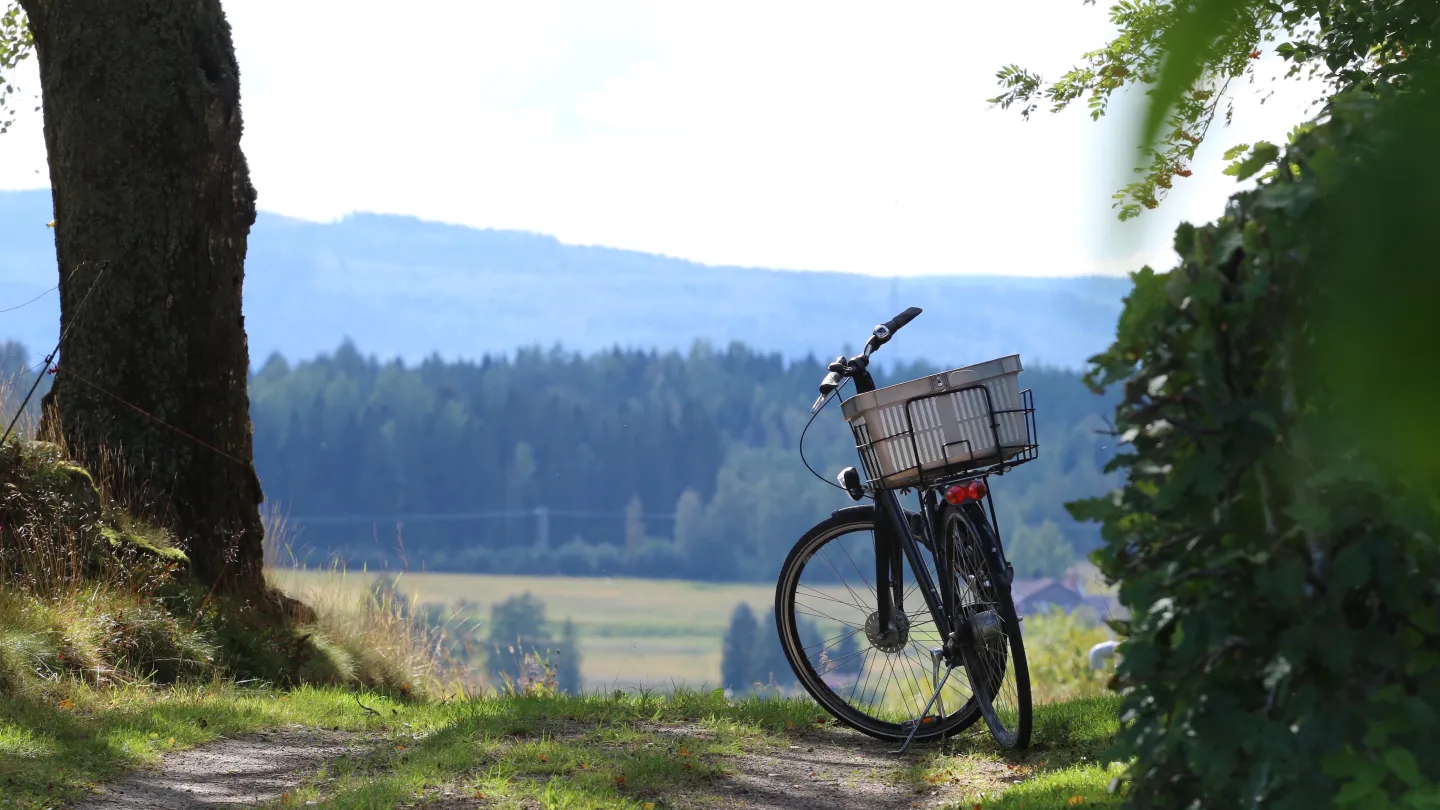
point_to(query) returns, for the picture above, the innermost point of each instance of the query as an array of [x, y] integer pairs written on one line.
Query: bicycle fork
[[895, 543]]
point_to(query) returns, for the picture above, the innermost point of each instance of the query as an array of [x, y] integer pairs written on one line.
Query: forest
[[640, 463]]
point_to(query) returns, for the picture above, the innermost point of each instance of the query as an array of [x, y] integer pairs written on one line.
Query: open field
[[660, 633], [633, 632]]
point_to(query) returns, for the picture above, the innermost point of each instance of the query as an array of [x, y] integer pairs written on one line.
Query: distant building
[[1040, 595], [1035, 596]]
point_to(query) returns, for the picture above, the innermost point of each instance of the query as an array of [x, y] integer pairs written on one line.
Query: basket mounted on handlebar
[[960, 423]]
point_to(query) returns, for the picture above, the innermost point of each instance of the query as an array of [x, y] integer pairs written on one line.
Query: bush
[[1282, 577]]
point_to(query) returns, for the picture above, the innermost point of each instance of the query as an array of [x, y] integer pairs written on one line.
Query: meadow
[[634, 633], [659, 634]]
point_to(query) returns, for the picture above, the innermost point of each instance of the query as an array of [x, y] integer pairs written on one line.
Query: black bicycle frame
[[893, 537]]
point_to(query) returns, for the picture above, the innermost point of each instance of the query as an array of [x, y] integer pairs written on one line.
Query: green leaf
[[1188, 44], [1236, 151], [1366, 777], [1263, 154], [1402, 763]]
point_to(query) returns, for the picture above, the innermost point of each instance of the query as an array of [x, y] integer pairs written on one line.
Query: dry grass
[[371, 637], [81, 587]]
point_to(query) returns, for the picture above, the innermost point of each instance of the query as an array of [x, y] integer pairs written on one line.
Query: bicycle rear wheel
[[995, 663], [825, 609]]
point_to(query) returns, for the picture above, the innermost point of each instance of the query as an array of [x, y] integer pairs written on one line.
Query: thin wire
[[50, 358], [31, 301], [69, 372], [833, 395], [25, 372], [43, 294]]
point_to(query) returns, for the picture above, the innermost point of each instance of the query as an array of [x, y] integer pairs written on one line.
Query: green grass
[[589, 753], [561, 752], [1067, 759], [56, 745], [571, 752]]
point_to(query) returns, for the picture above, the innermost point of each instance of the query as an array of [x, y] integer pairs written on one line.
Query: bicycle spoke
[[813, 592]]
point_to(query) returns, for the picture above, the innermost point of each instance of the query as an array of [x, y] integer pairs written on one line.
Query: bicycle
[[950, 546]]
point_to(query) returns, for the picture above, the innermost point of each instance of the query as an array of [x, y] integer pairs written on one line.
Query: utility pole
[[542, 527]]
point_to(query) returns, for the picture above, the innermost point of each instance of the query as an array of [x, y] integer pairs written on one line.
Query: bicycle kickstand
[[936, 656]]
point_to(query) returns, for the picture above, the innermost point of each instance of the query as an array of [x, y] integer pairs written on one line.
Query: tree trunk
[[153, 208]]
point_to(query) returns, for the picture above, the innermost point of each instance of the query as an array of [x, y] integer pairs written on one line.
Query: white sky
[[806, 135]]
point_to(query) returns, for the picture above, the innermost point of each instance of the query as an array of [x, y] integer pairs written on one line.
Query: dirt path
[[819, 774], [829, 769], [239, 771], [825, 769]]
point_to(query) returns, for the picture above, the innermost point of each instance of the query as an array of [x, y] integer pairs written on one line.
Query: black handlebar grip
[[830, 383], [903, 318]]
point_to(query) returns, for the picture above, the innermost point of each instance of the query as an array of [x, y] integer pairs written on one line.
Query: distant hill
[[404, 287]]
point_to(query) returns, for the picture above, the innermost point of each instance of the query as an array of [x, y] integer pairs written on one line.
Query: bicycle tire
[[980, 669], [787, 626]]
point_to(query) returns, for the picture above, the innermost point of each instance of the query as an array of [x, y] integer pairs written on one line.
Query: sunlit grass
[[69, 737], [1079, 785], [593, 751], [1069, 755]]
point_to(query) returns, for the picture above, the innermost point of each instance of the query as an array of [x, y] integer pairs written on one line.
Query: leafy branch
[[1189, 54], [16, 44]]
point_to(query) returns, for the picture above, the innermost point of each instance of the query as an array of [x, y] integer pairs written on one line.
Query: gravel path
[[830, 772], [825, 769], [829, 769], [228, 772]]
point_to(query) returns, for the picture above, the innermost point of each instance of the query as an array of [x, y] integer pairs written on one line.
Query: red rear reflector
[[956, 495], [978, 489]]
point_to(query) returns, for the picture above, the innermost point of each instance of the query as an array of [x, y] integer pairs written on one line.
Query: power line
[[31, 301], [444, 517]]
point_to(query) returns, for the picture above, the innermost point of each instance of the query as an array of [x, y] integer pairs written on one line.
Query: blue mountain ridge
[[402, 287]]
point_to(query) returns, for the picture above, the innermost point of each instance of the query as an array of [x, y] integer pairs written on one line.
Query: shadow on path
[[238, 771]]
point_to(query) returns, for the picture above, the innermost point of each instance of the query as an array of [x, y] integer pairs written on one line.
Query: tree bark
[[153, 207]]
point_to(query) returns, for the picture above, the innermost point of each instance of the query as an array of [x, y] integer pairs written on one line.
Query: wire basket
[[925, 431]]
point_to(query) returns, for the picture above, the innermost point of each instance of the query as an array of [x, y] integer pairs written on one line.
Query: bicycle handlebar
[[841, 368], [893, 325], [885, 331]]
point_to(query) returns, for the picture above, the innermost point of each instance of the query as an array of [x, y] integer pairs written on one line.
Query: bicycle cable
[[835, 394]]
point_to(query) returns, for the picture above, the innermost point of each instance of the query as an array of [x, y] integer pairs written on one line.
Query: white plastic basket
[[954, 421]]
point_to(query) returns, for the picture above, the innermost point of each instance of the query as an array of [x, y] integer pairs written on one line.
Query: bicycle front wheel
[[825, 612]]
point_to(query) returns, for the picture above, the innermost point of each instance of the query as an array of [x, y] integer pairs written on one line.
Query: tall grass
[[374, 636], [1056, 647], [80, 593]]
